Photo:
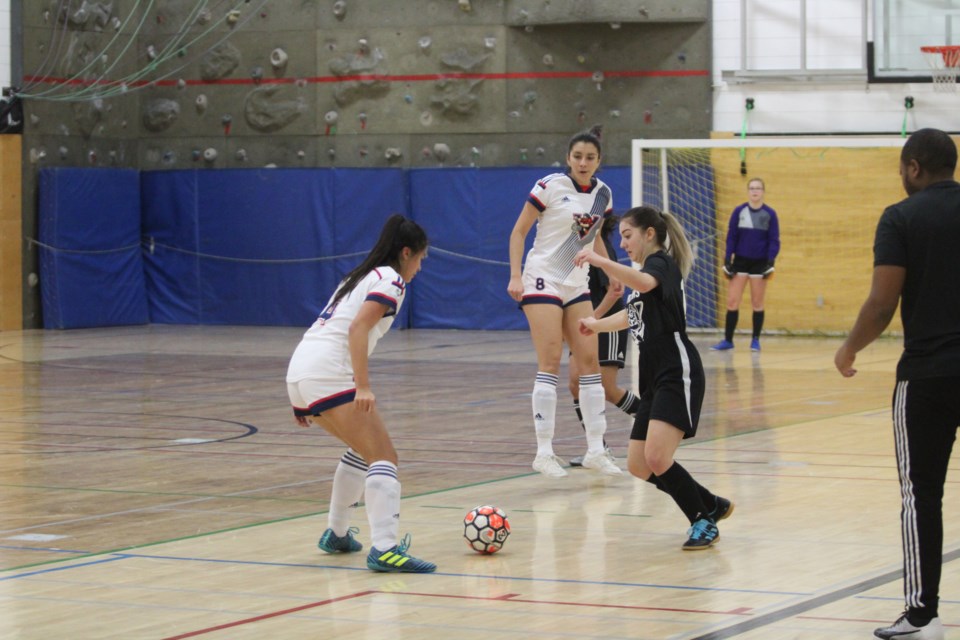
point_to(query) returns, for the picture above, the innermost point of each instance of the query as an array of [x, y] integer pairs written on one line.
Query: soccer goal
[[828, 193]]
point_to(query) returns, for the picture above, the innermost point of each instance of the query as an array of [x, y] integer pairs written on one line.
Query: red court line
[[266, 616], [511, 597], [507, 597], [419, 77]]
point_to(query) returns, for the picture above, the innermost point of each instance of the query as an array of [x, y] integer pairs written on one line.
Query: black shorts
[[672, 386], [750, 266], [612, 348]]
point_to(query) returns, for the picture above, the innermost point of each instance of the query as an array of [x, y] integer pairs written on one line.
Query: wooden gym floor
[[155, 486]]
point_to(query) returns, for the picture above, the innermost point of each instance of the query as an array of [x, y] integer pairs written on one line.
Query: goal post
[[828, 192]]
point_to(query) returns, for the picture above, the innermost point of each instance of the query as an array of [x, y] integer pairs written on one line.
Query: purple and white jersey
[[570, 218], [324, 351]]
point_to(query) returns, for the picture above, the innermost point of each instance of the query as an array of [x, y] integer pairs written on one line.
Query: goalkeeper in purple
[[753, 242], [568, 209]]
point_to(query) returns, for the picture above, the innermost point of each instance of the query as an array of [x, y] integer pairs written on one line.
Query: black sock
[[684, 490], [629, 403], [757, 323], [920, 617], [657, 482], [732, 318]]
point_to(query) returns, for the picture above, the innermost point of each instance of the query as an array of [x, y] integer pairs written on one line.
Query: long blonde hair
[[669, 232]]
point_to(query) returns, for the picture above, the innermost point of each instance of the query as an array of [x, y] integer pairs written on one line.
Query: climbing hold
[[278, 59], [200, 102], [209, 154], [441, 151], [339, 9], [330, 118]]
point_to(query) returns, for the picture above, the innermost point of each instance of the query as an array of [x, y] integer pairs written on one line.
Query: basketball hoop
[[944, 64]]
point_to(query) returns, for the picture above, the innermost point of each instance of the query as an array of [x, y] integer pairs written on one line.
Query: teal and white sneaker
[[702, 535], [332, 543], [397, 560]]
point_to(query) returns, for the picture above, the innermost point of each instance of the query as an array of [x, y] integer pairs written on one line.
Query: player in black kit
[[671, 374]]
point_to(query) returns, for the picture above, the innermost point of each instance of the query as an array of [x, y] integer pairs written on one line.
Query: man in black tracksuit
[[917, 263]]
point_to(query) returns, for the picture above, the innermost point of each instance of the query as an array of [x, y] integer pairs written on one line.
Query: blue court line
[[72, 566], [475, 575]]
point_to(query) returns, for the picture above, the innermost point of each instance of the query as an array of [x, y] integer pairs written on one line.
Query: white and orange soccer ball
[[486, 529]]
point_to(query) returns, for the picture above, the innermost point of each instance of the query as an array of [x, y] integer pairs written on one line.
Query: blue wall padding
[[91, 267], [257, 246], [268, 246], [468, 214]]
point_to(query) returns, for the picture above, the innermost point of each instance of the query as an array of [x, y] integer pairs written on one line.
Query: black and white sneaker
[[903, 629]]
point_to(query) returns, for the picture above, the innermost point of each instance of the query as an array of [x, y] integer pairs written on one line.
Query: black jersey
[[922, 234], [599, 282], [658, 312]]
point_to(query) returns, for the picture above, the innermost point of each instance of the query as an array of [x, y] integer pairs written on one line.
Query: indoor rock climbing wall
[[175, 84], [185, 83]]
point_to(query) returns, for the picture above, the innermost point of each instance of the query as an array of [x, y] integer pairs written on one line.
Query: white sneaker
[[603, 462], [549, 465], [903, 630]]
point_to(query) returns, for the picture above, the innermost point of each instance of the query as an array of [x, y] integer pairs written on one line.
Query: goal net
[[828, 193]]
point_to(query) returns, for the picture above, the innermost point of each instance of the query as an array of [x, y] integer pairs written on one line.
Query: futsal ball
[[486, 529]]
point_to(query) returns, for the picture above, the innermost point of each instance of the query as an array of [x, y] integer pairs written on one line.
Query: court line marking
[[508, 597], [301, 565], [513, 597], [54, 569], [790, 611], [266, 616]]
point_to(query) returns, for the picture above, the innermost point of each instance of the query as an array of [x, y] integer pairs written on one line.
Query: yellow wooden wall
[[11, 301], [828, 201]]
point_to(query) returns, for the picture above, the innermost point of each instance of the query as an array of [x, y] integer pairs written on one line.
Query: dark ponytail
[[592, 137], [398, 232]]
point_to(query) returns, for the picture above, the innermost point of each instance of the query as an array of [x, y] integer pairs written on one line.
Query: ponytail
[[669, 232], [398, 232]]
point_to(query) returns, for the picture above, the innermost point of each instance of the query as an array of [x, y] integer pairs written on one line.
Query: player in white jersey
[[568, 209], [328, 383]]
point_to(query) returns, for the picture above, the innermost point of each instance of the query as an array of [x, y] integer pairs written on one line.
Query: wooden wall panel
[[11, 304]]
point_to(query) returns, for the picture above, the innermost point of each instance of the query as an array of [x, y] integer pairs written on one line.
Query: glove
[[728, 269], [767, 271]]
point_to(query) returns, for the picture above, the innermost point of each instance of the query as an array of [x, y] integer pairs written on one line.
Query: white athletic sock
[[383, 504], [545, 411], [592, 406], [348, 484]]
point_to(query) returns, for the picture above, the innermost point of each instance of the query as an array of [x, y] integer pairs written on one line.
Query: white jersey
[[324, 351], [570, 219]]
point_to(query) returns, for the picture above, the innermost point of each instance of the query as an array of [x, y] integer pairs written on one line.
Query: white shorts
[[538, 290], [313, 396]]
